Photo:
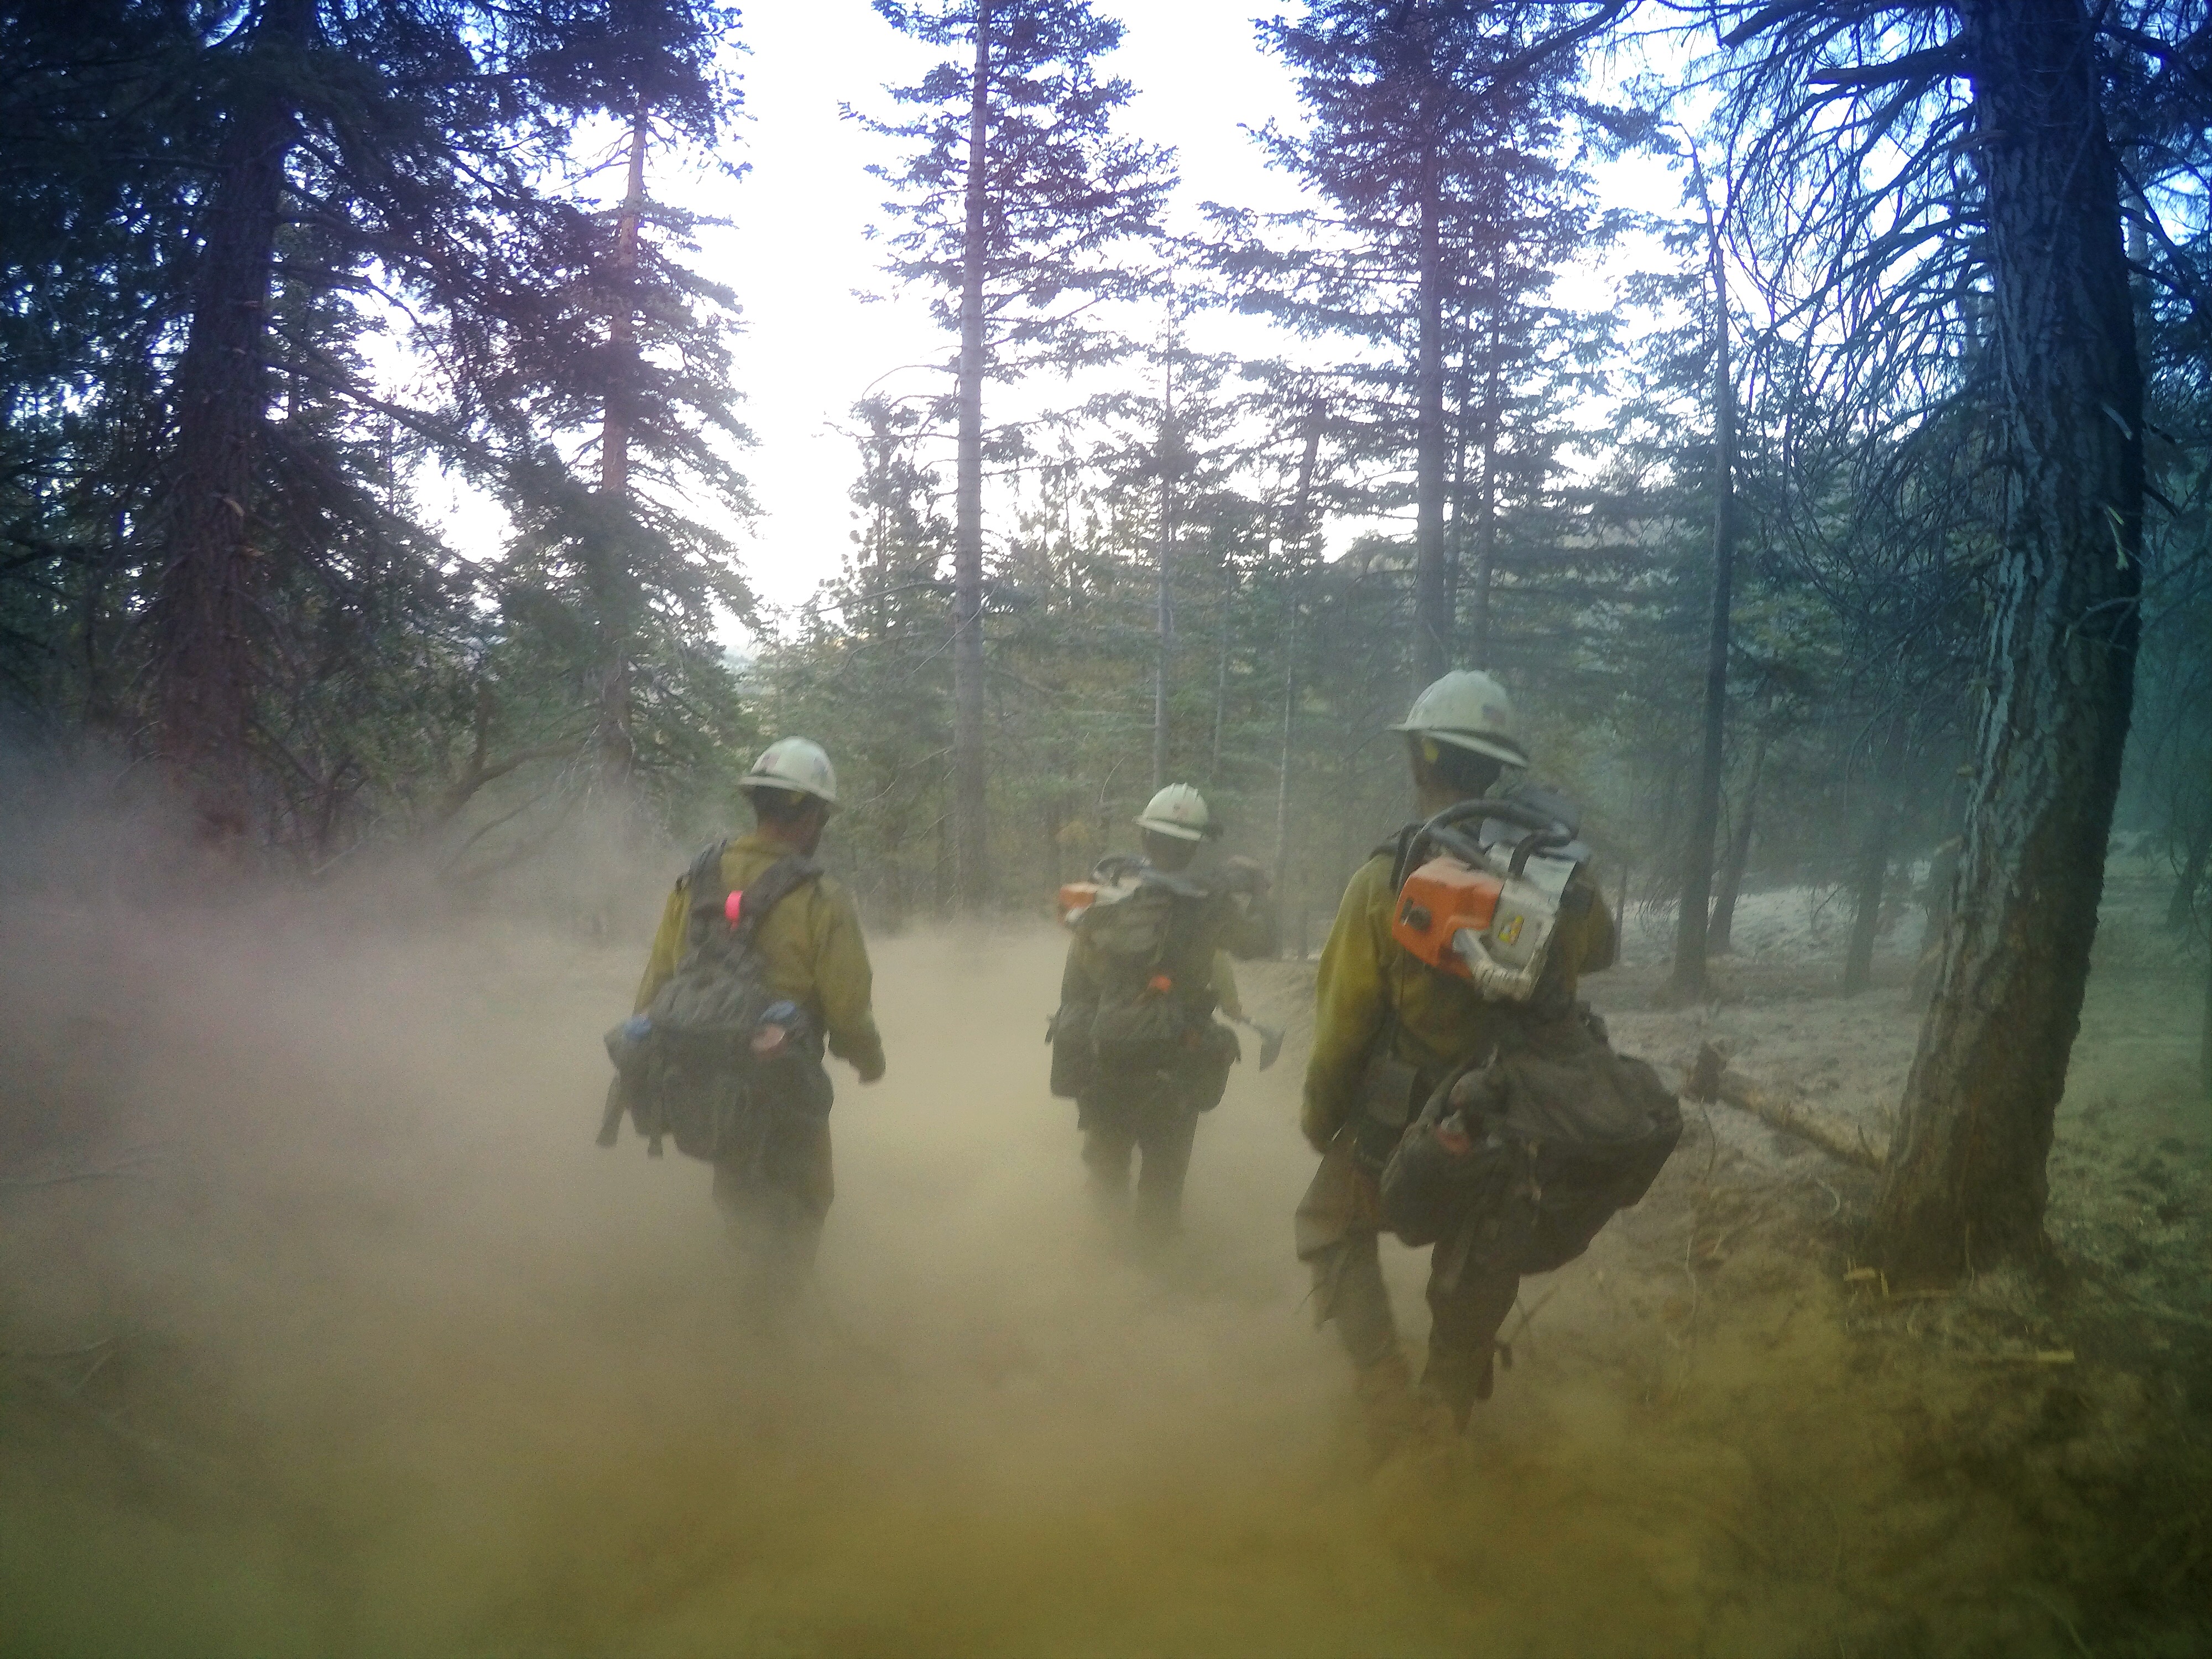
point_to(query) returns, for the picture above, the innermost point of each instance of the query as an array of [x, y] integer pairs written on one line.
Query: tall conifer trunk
[[1163, 628], [1294, 542], [204, 601], [1720, 937], [617, 735], [1686, 982], [1966, 1185], [1432, 596], [1485, 522], [970, 842], [1884, 800]]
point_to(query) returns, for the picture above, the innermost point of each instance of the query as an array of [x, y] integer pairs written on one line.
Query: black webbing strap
[[705, 878], [710, 895], [769, 889]]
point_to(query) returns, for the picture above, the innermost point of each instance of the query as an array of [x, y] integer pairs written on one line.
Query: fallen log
[[1712, 1079]]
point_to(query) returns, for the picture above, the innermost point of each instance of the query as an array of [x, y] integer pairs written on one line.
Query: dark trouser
[[772, 1207], [1339, 1226], [1154, 1116], [1465, 1311]]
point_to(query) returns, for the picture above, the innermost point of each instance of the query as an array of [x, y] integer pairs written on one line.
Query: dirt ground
[[338, 1337]]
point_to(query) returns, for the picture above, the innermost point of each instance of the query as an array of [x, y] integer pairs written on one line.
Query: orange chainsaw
[[1484, 901]]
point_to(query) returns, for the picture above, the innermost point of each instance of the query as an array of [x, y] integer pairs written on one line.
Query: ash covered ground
[[329, 1332]]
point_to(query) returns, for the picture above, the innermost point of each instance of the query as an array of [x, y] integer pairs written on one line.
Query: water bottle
[[622, 1042]]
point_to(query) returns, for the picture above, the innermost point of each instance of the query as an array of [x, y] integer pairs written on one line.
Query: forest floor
[[327, 1331], [2131, 1166]]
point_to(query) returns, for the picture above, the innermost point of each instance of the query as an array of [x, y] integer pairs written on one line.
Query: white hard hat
[[1470, 710], [1177, 810], [796, 764]]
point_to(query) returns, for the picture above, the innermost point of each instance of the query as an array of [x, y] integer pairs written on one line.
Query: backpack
[[1155, 1006], [688, 1066], [1521, 1161], [1517, 1162]]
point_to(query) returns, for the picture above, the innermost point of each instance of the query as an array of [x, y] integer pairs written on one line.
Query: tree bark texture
[[970, 832], [1966, 1184], [1432, 595], [1686, 982], [205, 672]]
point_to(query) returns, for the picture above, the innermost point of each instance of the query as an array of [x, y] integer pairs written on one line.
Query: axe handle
[[611, 1119]]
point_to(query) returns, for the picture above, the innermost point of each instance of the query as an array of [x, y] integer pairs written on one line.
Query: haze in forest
[[1796, 416], [356, 1345]]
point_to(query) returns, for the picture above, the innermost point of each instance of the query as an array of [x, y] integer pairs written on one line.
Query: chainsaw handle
[[1442, 830], [1505, 807]]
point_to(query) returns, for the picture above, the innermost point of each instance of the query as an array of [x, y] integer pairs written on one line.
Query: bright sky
[[797, 253], [797, 249]]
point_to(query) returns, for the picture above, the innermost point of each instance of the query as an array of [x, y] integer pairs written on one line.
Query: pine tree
[[1023, 209], [273, 195], [627, 344], [1434, 134], [1959, 168]]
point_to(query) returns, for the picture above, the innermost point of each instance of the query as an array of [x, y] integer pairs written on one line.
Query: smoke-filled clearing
[[329, 1332]]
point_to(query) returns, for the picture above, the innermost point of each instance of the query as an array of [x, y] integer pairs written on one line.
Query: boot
[[1398, 1416], [1456, 1382]]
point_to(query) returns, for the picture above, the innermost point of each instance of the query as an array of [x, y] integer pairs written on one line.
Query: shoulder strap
[[705, 893], [769, 889], [702, 883], [1398, 849], [1183, 918]]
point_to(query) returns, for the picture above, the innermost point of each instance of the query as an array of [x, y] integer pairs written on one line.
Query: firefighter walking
[[1134, 1042], [1388, 1029], [750, 1094]]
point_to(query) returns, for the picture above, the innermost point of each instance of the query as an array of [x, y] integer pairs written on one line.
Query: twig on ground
[[1690, 1321], [1835, 1198]]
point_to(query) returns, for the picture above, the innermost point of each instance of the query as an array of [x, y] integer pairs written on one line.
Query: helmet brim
[[1179, 831], [1480, 743], [751, 781]]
